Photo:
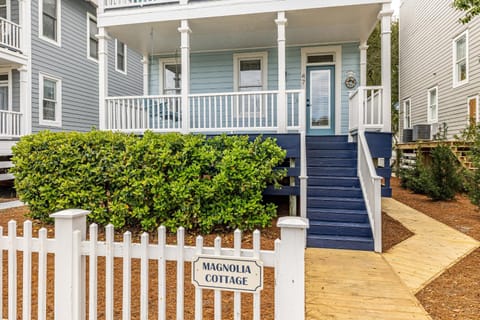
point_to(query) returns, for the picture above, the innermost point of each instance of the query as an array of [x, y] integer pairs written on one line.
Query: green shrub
[[445, 174], [417, 178], [171, 179]]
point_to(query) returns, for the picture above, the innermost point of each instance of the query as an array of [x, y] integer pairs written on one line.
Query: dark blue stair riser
[[337, 217], [329, 191], [327, 138], [332, 171], [329, 181], [358, 204], [332, 162], [331, 146], [340, 244], [340, 229], [338, 154]]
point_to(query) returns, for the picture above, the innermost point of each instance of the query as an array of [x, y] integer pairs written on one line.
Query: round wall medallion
[[350, 82]]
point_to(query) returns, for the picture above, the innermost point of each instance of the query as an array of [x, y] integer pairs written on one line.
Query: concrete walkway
[[343, 284], [11, 204], [427, 254]]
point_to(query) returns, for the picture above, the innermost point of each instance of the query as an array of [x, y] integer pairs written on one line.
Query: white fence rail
[[10, 123], [366, 109], [211, 112], [371, 187], [70, 248], [10, 34]]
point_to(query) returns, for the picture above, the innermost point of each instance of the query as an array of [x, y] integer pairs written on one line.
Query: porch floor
[[344, 284]]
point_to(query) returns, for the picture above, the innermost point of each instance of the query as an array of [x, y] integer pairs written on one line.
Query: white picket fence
[[70, 249]]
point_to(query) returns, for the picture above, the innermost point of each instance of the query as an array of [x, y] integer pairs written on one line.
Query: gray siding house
[[49, 68], [439, 69]]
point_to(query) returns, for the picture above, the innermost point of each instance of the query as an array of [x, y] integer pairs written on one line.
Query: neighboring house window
[[171, 76], [120, 56], [50, 101], [250, 71], [92, 41], [433, 104], [50, 20], [407, 111], [4, 92], [3, 9], [460, 59], [473, 110]]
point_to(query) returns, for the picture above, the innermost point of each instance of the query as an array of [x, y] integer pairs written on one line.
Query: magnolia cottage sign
[[227, 273]]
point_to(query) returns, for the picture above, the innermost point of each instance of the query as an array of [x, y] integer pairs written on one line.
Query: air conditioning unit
[[422, 132], [407, 135]]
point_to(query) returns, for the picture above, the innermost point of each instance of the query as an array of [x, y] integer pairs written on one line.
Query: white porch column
[[363, 63], [24, 8], [102, 77], [386, 17], [185, 47], [281, 22], [145, 75], [26, 124]]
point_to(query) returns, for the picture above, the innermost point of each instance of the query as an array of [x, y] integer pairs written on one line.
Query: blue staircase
[[335, 205]]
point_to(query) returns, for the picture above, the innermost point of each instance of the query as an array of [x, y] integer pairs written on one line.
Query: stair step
[[329, 191], [338, 154], [332, 171], [338, 215], [329, 181], [321, 145], [332, 162], [340, 242], [336, 203], [343, 138], [335, 228]]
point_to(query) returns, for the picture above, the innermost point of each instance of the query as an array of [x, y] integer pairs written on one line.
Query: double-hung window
[[50, 20], [92, 41], [50, 101], [171, 76], [432, 114], [4, 9], [120, 56], [4, 92], [460, 59], [407, 111]]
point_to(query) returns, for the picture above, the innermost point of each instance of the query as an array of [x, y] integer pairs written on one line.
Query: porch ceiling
[[313, 26]]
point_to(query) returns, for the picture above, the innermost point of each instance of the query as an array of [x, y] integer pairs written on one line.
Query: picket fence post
[[290, 269], [68, 303]]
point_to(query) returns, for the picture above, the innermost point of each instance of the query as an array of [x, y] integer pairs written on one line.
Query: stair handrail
[[371, 188]]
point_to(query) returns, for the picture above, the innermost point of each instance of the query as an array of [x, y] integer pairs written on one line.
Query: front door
[[321, 100]]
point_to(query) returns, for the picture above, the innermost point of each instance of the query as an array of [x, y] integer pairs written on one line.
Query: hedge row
[[199, 183]]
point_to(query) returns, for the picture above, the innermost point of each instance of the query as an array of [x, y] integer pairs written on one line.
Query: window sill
[[48, 123], [51, 41]]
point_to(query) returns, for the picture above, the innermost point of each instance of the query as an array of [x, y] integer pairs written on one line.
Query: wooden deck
[[424, 256], [357, 285]]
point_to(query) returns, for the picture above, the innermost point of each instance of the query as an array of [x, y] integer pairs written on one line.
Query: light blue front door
[[321, 100]]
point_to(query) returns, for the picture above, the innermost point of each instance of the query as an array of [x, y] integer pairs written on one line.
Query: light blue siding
[[213, 72]]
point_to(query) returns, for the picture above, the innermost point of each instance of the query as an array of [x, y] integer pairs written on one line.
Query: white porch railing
[[371, 187], [70, 249], [366, 109], [210, 112], [10, 34], [10, 124], [111, 4]]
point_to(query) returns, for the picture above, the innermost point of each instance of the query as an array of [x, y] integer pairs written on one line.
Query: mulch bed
[[393, 232], [456, 293]]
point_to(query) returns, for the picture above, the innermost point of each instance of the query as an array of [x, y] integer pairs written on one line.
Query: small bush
[[171, 179], [445, 177], [417, 179]]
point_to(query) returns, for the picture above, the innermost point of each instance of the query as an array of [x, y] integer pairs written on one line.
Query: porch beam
[[363, 63], [102, 76], [185, 81], [385, 17], [281, 22]]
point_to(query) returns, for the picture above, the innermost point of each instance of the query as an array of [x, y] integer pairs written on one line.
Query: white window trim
[[10, 86], [161, 63], [59, 23], [409, 100], [125, 58], [58, 106], [237, 57], [429, 118], [476, 111], [90, 16], [454, 59]]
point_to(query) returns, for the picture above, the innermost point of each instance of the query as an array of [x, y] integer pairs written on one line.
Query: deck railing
[[10, 124], [211, 112], [366, 109], [111, 4], [9, 34]]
